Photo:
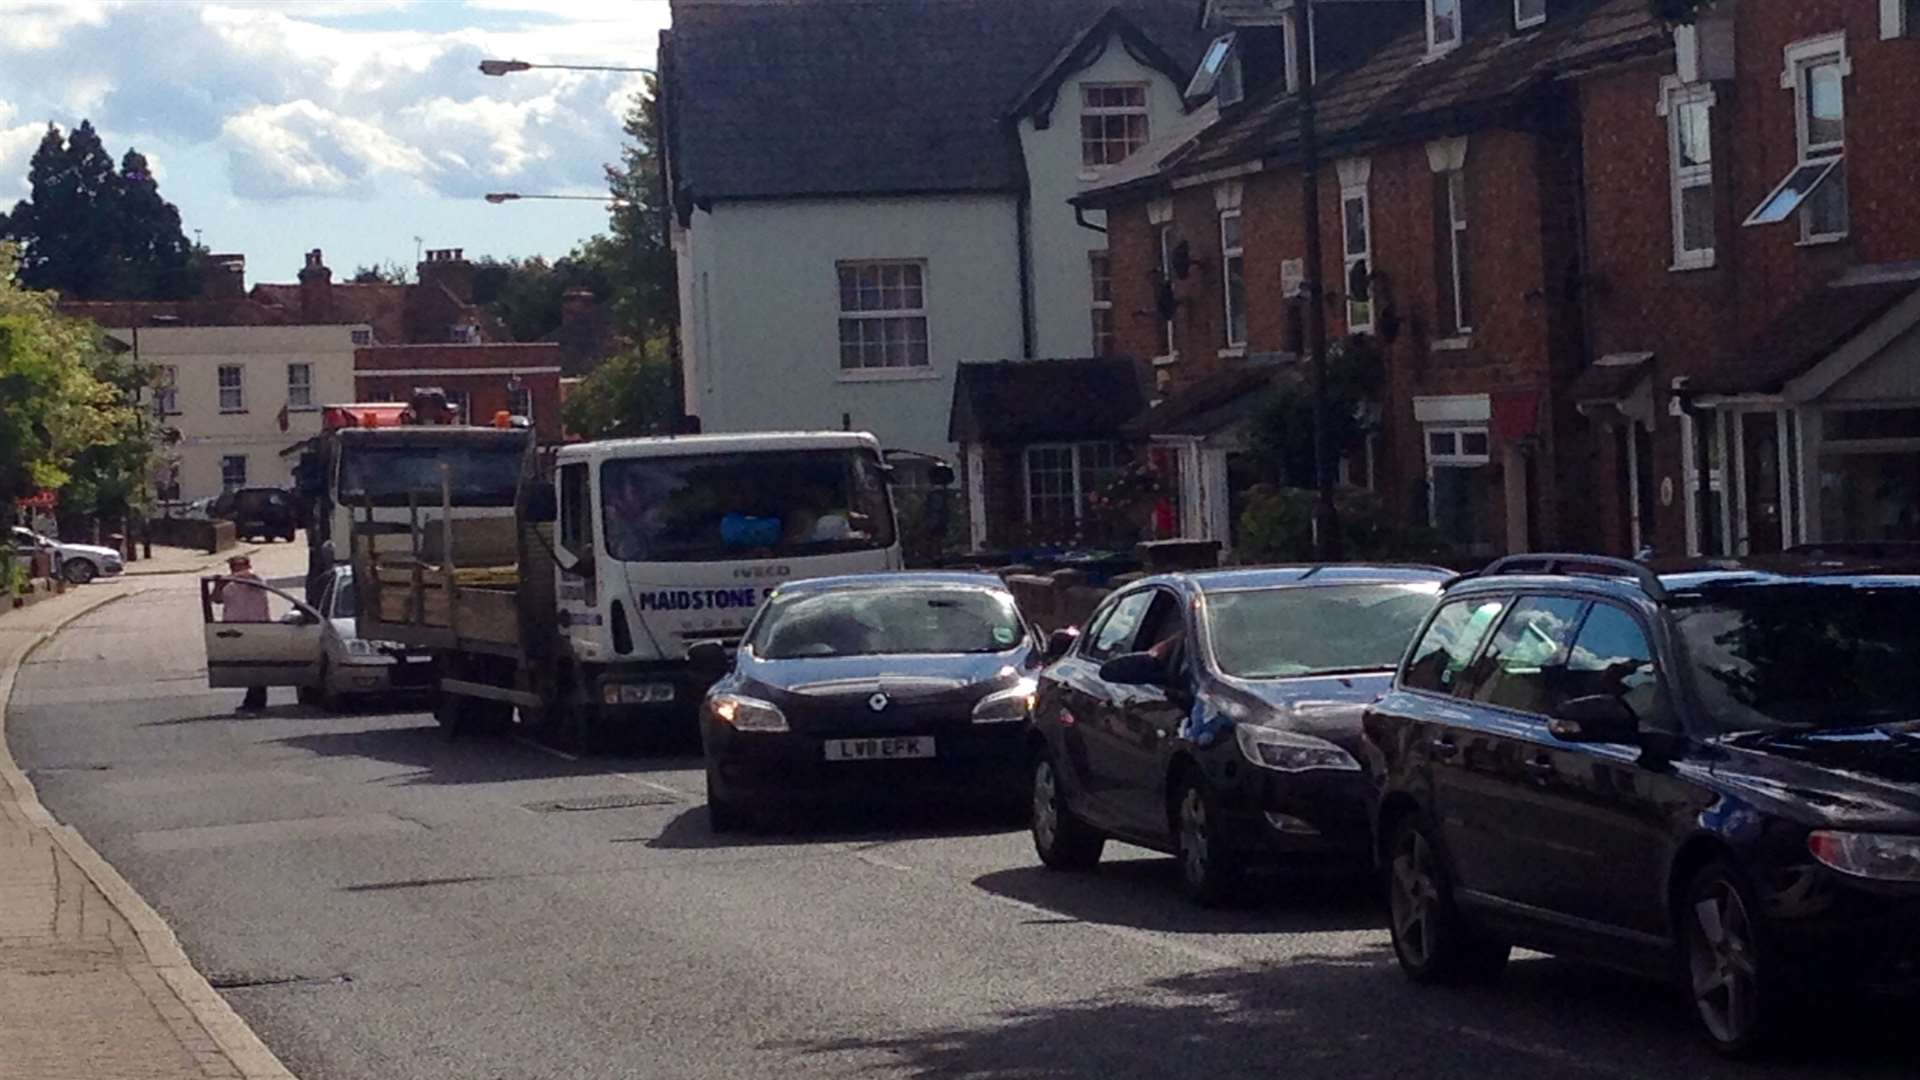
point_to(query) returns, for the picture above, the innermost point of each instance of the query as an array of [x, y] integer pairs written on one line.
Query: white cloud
[[304, 102], [40, 24]]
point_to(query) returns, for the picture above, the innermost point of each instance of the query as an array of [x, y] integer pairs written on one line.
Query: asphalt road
[[382, 902]]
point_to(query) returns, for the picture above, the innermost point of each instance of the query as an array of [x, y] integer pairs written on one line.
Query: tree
[[646, 298], [630, 394], [385, 273], [528, 294], [58, 394], [93, 232]]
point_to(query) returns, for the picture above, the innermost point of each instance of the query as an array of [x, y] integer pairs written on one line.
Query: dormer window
[[1529, 13], [1443, 25], [1232, 89], [1218, 74]]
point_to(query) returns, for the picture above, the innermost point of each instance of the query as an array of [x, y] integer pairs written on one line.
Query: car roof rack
[[1590, 565]]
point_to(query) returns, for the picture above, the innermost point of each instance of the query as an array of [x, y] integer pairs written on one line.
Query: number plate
[[904, 746]]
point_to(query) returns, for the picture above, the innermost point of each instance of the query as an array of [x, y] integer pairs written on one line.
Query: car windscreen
[[1770, 657], [883, 621], [772, 504], [1323, 629], [482, 475]]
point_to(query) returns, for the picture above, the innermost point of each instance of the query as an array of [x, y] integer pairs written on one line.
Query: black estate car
[[263, 512], [1216, 716], [1712, 774], [907, 685]]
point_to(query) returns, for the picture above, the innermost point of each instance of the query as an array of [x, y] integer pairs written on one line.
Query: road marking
[[1126, 933], [545, 749], [662, 788]]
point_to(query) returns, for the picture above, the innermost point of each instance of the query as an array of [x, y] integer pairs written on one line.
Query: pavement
[[93, 985], [377, 900]]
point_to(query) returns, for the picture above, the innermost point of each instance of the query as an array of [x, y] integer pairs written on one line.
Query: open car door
[[284, 650]]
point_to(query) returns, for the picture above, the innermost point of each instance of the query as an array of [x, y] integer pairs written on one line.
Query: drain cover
[[622, 801]]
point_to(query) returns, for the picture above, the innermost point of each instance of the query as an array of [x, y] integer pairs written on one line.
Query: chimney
[[316, 290], [448, 267], [225, 277], [575, 303]]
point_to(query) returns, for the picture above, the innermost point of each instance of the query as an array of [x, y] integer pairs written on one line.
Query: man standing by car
[[243, 598]]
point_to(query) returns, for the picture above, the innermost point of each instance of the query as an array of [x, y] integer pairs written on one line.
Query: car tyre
[[723, 814], [1060, 838], [1210, 873], [79, 571], [1433, 943], [1726, 963]]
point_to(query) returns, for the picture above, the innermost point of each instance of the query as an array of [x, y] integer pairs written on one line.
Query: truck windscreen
[[386, 475], [718, 507]]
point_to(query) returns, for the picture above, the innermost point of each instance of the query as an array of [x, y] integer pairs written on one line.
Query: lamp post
[[499, 68], [1326, 518], [498, 197]]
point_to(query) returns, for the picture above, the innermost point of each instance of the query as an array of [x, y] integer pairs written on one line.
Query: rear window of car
[[1448, 645]]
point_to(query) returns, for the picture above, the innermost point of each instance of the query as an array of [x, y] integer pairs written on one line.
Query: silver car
[[351, 667], [78, 563]]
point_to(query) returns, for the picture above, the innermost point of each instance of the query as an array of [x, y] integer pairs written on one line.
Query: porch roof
[[1215, 402], [1820, 324], [1010, 402]]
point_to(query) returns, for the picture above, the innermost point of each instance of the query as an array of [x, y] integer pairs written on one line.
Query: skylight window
[[1212, 67]]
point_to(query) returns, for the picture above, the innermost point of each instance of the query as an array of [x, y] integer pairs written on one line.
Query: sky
[[360, 127]]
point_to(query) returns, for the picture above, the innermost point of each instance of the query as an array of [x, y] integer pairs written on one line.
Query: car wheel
[[1726, 961], [1430, 939], [1062, 840], [78, 571], [723, 816], [1209, 872]]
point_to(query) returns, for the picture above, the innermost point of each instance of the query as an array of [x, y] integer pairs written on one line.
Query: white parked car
[[78, 563], [314, 648]]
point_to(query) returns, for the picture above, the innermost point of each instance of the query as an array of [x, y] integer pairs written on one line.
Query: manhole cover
[[623, 801]]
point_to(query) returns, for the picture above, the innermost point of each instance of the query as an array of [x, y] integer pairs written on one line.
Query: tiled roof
[[1612, 378], [1019, 401], [785, 98], [1400, 92], [1217, 401], [1802, 336]]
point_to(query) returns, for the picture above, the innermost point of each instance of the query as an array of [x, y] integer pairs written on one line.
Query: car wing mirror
[[1060, 642], [1599, 718], [1135, 669], [709, 660]]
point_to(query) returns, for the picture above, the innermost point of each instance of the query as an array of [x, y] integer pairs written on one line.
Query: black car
[[263, 512], [911, 685], [1711, 774], [1216, 716]]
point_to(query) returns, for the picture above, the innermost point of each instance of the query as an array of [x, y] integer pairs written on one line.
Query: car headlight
[[1291, 751], [1008, 706], [1875, 856], [360, 647], [747, 714]]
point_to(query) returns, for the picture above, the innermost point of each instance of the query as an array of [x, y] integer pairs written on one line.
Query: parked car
[[1713, 774], [1216, 716], [908, 684], [78, 563], [312, 648], [259, 513]]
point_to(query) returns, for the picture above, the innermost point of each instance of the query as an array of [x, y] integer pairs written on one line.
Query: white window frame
[[1457, 459], [1675, 97], [1899, 19], [1141, 110], [300, 392], [1435, 46], [238, 389], [1099, 269], [1802, 56], [1228, 256], [361, 336], [226, 483], [1458, 224], [1353, 187], [843, 316], [1078, 467], [166, 391], [516, 398], [1522, 21]]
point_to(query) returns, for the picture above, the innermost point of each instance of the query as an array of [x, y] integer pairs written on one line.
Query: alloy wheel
[[1413, 897], [1046, 812], [1722, 960], [1196, 852]]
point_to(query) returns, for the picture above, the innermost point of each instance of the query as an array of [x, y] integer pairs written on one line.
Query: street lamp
[[508, 67], [498, 197]]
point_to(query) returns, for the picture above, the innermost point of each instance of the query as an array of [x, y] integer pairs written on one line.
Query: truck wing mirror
[[542, 507], [940, 474]]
